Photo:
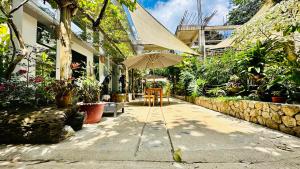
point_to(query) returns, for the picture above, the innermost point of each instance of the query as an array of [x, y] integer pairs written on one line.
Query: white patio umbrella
[[152, 61]]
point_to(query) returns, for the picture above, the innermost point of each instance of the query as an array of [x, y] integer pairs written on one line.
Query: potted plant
[[89, 94], [278, 89], [64, 92], [278, 97], [234, 86]]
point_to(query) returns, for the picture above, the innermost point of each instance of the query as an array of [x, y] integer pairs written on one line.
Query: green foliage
[[4, 48], [216, 92], [168, 88], [188, 81], [265, 60], [226, 98], [179, 88], [244, 11], [217, 70], [177, 155], [45, 67], [61, 88], [19, 92], [89, 90], [16, 93], [2, 19], [252, 60], [114, 24], [234, 85]]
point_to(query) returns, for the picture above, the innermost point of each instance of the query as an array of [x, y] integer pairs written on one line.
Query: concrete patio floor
[[145, 137]]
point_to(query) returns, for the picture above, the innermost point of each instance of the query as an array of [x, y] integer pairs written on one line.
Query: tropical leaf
[[177, 155]]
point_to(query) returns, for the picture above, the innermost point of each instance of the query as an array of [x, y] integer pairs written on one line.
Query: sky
[[170, 12]]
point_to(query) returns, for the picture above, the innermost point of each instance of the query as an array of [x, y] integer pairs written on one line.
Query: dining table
[[156, 90]]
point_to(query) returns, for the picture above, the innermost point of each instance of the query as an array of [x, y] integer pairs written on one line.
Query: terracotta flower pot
[[276, 99], [94, 112]]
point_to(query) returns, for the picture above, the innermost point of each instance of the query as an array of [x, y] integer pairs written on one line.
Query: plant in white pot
[[89, 94]]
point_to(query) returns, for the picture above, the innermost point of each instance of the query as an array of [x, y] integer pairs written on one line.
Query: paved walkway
[[145, 137]]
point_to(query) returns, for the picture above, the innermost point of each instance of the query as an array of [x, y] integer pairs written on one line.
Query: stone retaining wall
[[282, 117]]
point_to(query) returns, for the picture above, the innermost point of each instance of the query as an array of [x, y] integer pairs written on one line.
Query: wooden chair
[[149, 96]]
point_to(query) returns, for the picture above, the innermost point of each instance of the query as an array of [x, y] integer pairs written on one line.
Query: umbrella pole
[[132, 84], [153, 74]]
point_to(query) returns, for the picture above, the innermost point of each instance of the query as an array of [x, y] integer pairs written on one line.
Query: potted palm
[[89, 94]]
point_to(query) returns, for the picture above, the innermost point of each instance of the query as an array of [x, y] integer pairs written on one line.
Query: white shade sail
[[153, 35], [225, 43], [152, 61]]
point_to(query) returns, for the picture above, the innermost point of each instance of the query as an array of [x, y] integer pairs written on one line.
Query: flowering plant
[[62, 88], [89, 89], [15, 93]]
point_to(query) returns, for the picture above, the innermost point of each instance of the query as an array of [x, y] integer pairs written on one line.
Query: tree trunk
[[22, 47], [65, 55]]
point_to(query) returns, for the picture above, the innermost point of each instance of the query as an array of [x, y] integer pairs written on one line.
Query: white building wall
[[29, 30], [28, 27]]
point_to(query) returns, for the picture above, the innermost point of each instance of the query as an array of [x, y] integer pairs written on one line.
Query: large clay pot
[[278, 99], [94, 111]]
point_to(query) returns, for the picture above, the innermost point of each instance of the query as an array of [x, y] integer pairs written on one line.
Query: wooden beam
[[207, 28]]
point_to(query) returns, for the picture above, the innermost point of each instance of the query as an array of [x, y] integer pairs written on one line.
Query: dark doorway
[[80, 60]]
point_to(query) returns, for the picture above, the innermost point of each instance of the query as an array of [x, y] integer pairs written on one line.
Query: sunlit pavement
[[145, 137]]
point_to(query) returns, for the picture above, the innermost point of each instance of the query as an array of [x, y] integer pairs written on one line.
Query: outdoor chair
[[149, 97]]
